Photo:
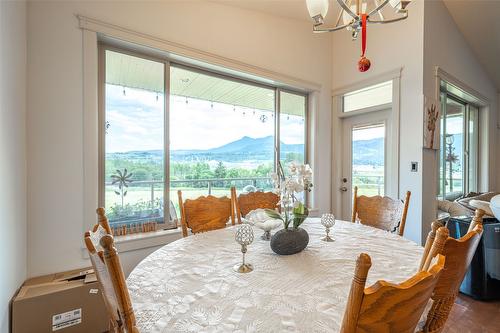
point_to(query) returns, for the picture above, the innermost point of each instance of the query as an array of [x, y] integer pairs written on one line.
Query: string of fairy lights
[[263, 115]]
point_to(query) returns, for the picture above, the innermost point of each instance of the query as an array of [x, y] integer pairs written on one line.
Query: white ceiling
[[292, 9], [479, 22]]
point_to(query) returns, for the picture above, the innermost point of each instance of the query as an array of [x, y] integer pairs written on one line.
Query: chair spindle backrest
[[245, 203], [100, 246], [459, 254], [385, 307], [205, 213], [381, 212], [114, 268]]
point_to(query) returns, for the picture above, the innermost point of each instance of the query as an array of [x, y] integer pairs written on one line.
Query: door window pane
[[134, 141], [221, 134], [377, 94], [368, 159]]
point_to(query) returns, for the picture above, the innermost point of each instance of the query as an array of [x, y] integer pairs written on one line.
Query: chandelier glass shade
[[351, 12]]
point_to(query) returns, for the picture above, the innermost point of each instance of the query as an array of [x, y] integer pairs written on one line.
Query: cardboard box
[[68, 302]]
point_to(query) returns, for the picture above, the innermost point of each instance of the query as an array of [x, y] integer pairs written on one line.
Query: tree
[[220, 170], [141, 174]]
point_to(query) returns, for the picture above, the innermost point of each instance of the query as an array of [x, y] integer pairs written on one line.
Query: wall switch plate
[[414, 167]]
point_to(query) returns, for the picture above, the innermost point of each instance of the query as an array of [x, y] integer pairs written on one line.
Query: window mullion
[[443, 144], [465, 153], [102, 126], [277, 93], [166, 141]]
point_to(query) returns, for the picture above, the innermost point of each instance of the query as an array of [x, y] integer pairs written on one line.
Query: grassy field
[[137, 194], [369, 181]]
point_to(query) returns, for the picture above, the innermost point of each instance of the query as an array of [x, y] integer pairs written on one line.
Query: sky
[[368, 133], [136, 122]]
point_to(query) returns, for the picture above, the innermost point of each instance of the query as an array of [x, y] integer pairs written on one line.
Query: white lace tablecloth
[[190, 286]]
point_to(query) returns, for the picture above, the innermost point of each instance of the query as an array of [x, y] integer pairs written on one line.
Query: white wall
[[55, 145], [427, 39], [12, 153], [389, 47], [445, 46], [498, 141]]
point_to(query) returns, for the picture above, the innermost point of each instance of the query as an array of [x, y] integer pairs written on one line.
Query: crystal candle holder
[[328, 221], [244, 236]]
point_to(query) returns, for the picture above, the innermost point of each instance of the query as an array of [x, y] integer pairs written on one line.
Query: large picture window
[[169, 127]]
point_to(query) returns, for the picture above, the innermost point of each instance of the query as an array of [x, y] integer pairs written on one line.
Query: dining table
[[190, 285]]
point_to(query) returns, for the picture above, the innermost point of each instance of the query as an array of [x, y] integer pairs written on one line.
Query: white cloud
[[137, 119]]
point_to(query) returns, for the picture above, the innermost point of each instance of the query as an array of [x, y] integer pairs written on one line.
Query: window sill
[[145, 240], [148, 239], [314, 212]]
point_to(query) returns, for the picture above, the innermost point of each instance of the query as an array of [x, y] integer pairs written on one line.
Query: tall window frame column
[[470, 146]]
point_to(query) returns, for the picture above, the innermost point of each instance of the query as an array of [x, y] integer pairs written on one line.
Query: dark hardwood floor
[[471, 316]]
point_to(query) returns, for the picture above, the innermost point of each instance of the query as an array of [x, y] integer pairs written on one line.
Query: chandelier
[[354, 16]]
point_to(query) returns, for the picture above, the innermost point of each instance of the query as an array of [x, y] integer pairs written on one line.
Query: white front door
[[366, 154]]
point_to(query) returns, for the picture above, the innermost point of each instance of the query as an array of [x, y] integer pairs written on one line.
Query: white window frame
[[485, 172], [168, 64], [95, 31], [339, 115]]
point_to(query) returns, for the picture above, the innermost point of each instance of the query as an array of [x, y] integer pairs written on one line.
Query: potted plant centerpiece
[[291, 239]]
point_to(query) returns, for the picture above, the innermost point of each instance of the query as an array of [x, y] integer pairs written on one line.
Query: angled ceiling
[[295, 9], [292, 9], [479, 23], [477, 20]]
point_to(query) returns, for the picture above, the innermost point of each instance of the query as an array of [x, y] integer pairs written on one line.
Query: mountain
[[247, 144], [367, 152], [243, 149], [257, 145]]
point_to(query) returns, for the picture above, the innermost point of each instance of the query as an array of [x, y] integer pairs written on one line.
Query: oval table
[[190, 286]]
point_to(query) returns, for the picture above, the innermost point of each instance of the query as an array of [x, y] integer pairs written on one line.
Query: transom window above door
[[371, 96]]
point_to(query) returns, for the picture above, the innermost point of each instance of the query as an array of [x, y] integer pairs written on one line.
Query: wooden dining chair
[[246, 202], [381, 212], [459, 254], [205, 213], [106, 264], [387, 307]]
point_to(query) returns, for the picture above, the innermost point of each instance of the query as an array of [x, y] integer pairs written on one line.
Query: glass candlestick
[[244, 236], [328, 221]]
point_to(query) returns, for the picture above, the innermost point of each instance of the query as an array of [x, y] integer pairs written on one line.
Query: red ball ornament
[[363, 64]]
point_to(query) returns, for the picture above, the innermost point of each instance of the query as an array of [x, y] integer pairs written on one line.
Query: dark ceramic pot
[[289, 241]]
